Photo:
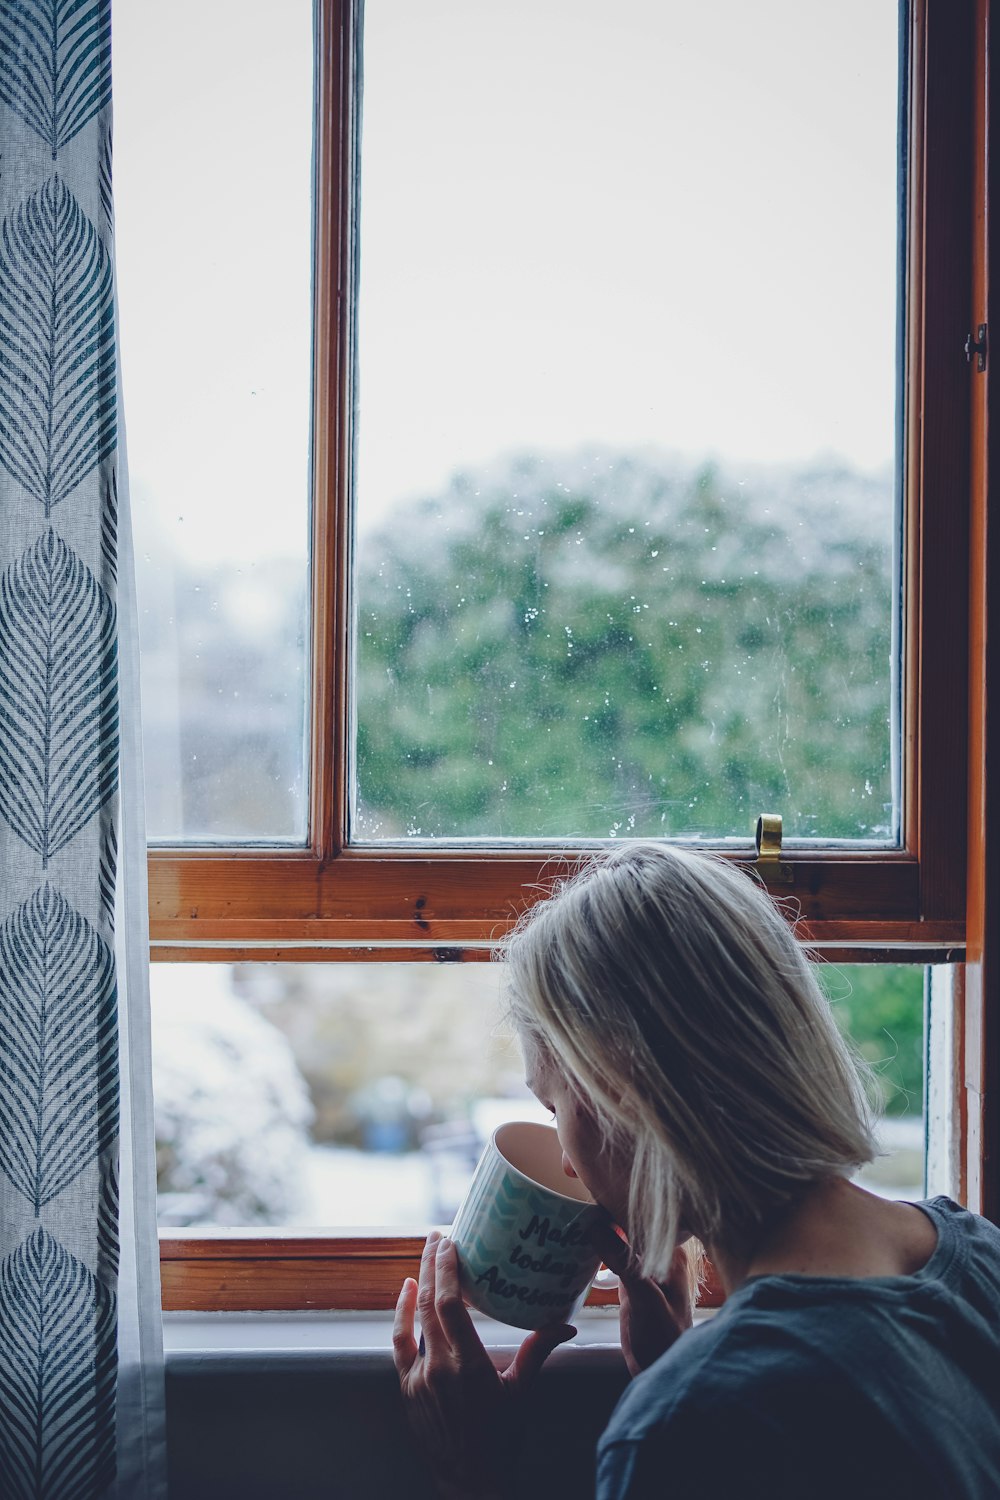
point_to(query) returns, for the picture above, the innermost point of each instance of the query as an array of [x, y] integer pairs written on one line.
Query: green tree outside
[[616, 646]]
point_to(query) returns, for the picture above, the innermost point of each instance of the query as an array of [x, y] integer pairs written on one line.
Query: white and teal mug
[[523, 1232]]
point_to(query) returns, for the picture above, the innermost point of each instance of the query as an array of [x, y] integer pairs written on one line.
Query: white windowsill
[[192, 1331]]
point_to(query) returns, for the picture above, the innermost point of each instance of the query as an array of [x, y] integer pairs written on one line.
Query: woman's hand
[[462, 1410], [652, 1315]]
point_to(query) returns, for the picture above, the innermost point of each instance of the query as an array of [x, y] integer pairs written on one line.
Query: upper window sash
[[452, 901]]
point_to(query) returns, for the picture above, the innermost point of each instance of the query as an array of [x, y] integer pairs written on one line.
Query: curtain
[[81, 1385]]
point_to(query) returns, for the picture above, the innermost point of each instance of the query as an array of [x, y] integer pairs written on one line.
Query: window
[[336, 895], [340, 890]]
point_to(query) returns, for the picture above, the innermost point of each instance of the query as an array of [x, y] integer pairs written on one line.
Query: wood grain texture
[[913, 944], [981, 1012], [263, 1271], [333, 358], [936, 603], [455, 897]]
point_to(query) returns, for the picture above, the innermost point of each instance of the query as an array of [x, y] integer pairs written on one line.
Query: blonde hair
[[673, 995]]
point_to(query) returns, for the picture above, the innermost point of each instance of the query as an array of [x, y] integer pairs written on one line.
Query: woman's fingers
[[681, 1284], [434, 1340], [452, 1313], [404, 1345], [652, 1317]]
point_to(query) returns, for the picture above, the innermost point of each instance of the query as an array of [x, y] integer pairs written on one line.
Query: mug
[[522, 1233]]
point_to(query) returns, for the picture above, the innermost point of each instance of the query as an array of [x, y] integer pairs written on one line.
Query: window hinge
[[769, 864], [977, 347]]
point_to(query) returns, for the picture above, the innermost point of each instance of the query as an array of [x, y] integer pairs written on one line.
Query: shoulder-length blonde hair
[[672, 993]]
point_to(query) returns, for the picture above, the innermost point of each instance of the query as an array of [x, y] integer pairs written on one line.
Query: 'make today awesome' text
[[542, 1232]]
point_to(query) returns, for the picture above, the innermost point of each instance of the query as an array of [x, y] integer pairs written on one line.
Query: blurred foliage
[[881, 1007], [615, 646], [434, 1031], [232, 1112], [597, 648]]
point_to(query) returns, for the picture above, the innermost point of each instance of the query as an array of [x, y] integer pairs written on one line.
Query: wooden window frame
[[334, 900]]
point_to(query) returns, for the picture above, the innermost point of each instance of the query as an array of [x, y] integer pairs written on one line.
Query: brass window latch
[[977, 346], [769, 865]]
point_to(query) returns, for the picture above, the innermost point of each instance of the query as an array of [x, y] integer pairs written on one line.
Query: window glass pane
[[880, 1007], [326, 1094], [213, 139], [362, 1094], [625, 482]]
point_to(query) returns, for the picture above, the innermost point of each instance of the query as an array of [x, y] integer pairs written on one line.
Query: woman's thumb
[[536, 1349]]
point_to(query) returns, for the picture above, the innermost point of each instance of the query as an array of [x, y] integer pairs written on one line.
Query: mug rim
[[580, 1203]]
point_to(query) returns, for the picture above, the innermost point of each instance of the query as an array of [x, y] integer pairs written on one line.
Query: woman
[[700, 1089]]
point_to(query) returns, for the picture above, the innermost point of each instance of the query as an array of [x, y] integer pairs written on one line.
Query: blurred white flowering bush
[[232, 1109]]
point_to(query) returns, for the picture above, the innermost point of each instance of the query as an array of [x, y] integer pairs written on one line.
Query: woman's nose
[[568, 1166]]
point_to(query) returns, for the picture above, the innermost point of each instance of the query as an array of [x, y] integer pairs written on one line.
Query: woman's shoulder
[[945, 1211], [966, 1262], [781, 1339]]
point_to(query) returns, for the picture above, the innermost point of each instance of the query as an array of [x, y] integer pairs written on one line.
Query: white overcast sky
[[653, 224]]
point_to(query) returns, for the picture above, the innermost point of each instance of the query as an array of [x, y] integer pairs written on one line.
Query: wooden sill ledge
[[266, 1271]]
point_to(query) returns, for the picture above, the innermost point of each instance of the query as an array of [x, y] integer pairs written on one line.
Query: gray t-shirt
[[814, 1387]]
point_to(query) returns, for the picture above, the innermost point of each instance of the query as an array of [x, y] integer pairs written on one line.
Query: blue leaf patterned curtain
[[81, 1392]]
